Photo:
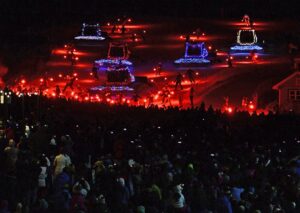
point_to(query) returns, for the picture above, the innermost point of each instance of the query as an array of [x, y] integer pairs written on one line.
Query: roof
[[276, 86]]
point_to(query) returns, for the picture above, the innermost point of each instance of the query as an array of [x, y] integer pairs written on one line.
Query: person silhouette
[[179, 78]]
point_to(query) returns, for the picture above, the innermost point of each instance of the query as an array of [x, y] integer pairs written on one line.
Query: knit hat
[[83, 192], [131, 162], [121, 181], [11, 143]]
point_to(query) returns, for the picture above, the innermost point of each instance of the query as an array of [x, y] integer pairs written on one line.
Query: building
[[289, 93]]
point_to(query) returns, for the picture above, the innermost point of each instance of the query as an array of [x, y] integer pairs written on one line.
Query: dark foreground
[[74, 157]]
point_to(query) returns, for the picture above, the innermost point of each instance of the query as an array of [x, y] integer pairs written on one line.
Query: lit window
[[294, 95]]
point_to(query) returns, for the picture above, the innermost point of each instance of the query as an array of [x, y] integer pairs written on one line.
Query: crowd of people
[[86, 157]]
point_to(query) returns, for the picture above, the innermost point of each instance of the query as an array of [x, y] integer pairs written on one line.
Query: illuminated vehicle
[[118, 54], [246, 39], [91, 33], [195, 54]]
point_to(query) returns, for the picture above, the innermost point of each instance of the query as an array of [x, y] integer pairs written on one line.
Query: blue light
[[102, 62], [112, 88], [191, 60], [246, 47], [197, 58], [200, 46], [97, 36]]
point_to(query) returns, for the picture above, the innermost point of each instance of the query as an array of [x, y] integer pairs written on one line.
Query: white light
[[96, 38]]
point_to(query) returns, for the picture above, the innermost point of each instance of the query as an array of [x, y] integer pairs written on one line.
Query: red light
[[76, 96], [129, 20], [23, 81], [229, 109], [51, 79], [65, 56], [152, 80], [53, 94], [166, 78], [197, 73], [65, 46], [251, 106], [86, 98], [60, 75], [75, 74], [76, 58], [41, 80], [91, 73], [72, 94], [112, 101], [123, 99], [181, 37], [108, 99], [145, 100], [128, 101], [108, 24], [203, 34], [210, 47]]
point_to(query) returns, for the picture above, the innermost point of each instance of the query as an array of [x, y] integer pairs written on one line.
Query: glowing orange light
[[53, 94], [41, 80], [23, 81], [76, 96], [72, 93], [145, 100], [86, 98], [229, 110]]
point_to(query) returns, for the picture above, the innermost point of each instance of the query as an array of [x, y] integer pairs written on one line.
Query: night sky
[[28, 26]]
